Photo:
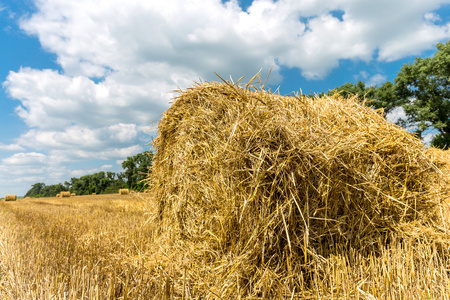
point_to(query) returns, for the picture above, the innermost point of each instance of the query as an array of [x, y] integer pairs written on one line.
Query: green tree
[[36, 190], [136, 168], [423, 89], [383, 96]]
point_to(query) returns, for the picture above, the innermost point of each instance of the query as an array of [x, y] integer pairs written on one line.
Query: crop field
[[102, 247], [83, 247]]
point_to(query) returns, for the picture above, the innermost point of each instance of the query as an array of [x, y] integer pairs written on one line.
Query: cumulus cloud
[[11, 147], [119, 63], [50, 100], [432, 17], [22, 169], [27, 159], [376, 79], [396, 114], [81, 172], [81, 138], [197, 38], [428, 137]]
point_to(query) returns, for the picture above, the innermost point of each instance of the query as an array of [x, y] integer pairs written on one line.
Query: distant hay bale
[[263, 184], [58, 195], [124, 191], [10, 197], [73, 194], [94, 193], [65, 194]]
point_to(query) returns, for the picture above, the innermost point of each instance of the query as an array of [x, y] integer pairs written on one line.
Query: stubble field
[[103, 247]]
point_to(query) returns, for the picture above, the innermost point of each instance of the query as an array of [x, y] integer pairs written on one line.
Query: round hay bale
[[94, 194], [10, 197], [124, 191], [58, 195], [65, 194], [259, 181], [73, 194], [441, 158]]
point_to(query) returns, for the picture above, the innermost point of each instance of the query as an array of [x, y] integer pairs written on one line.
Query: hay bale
[[94, 194], [73, 194], [65, 194], [441, 158], [124, 191], [10, 197], [264, 184], [58, 195]]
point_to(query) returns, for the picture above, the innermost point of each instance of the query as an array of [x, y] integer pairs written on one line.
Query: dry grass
[[88, 248], [102, 247]]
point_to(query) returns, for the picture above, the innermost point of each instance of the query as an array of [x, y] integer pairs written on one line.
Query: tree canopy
[[136, 168], [423, 89], [376, 97]]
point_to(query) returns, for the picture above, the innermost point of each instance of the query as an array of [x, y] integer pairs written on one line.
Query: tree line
[[136, 169], [421, 88]]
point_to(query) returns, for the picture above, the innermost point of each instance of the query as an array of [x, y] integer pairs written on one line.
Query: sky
[[83, 83]]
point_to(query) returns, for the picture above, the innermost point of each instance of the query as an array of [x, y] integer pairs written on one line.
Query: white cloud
[[197, 38], [50, 100], [11, 147], [376, 79], [432, 17], [81, 138], [396, 114], [427, 138], [27, 159], [81, 172], [20, 170], [411, 43], [363, 74]]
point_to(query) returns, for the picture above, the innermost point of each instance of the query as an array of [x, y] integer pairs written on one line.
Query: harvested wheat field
[[252, 195], [91, 247]]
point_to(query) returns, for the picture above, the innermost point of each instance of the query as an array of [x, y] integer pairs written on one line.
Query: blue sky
[[84, 82]]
